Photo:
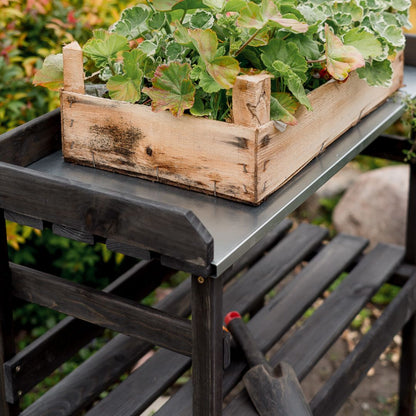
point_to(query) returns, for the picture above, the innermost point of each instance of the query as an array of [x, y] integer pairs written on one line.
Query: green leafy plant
[[185, 55]]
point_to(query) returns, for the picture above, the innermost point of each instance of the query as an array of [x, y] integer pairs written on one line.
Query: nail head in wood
[[73, 68], [251, 100], [201, 280]]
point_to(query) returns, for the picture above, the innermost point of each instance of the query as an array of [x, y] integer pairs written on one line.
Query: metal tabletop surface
[[236, 227]]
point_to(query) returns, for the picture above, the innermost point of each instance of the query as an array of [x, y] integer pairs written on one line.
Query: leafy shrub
[[29, 31]]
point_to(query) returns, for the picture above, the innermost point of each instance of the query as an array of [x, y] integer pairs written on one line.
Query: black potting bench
[[215, 241]]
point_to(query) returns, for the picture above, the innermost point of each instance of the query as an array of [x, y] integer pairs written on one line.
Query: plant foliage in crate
[[251, 64]]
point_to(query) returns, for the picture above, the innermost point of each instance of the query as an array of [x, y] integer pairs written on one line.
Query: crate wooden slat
[[245, 162]]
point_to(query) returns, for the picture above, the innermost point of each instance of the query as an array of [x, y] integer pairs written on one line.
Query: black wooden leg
[[408, 355], [207, 352], [408, 369], [6, 321]]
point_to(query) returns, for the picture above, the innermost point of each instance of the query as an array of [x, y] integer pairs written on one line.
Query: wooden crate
[[244, 161]]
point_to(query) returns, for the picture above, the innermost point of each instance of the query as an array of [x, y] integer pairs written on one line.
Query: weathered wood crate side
[[245, 161], [208, 155], [336, 108]]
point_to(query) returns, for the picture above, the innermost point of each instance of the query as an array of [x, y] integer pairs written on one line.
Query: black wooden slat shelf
[[238, 257]]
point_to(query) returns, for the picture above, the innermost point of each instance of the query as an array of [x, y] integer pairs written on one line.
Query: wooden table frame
[[83, 213]]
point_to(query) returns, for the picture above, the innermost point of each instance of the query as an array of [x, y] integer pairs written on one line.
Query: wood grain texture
[[138, 222], [355, 367], [104, 368], [7, 347], [233, 161], [46, 353], [336, 108], [273, 322], [213, 156], [251, 100], [207, 346], [318, 333], [73, 68], [31, 141], [103, 309]]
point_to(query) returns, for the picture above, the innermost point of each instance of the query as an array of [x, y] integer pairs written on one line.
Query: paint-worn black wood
[[278, 394], [411, 220], [52, 349], [267, 273], [24, 220], [167, 230], [121, 396], [410, 50], [207, 346], [103, 309], [408, 349], [73, 234], [328, 321], [313, 339], [355, 367], [389, 147], [32, 141], [128, 250], [271, 392], [7, 348], [101, 370], [283, 310], [407, 380]]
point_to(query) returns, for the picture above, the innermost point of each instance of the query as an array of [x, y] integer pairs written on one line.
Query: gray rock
[[375, 206]]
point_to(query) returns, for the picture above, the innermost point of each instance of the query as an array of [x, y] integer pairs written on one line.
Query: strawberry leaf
[[172, 88], [104, 49], [51, 75], [341, 59]]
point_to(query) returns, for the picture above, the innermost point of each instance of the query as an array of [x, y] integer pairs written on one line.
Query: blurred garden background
[[29, 31]]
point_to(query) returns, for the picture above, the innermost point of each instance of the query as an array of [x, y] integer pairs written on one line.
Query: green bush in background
[[31, 30]]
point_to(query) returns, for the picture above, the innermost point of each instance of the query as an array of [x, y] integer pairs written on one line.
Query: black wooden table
[[170, 229]]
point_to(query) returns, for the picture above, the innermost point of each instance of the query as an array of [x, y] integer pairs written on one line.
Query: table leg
[[408, 349], [207, 351], [7, 349]]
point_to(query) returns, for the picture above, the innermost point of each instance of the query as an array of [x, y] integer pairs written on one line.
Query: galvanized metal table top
[[236, 227]]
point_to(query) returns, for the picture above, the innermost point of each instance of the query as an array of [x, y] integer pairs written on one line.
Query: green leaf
[[172, 88], [131, 61], [308, 47], [224, 70], [165, 5], [217, 5], [181, 34], [51, 75], [132, 22], [293, 82], [401, 5], [234, 5], [395, 36], [366, 42], [377, 73], [341, 59], [208, 84], [255, 16], [123, 88], [127, 87], [286, 52], [283, 107], [201, 19], [103, 50], [199, 109], [205, 41], [148, 47], [156, 20]]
